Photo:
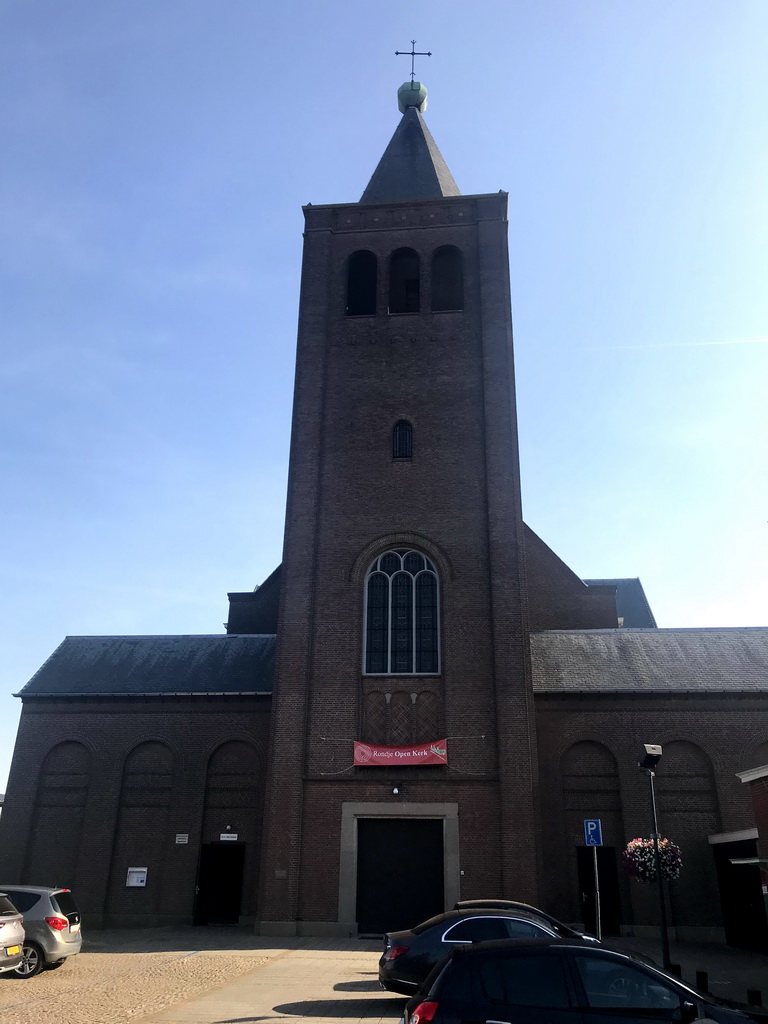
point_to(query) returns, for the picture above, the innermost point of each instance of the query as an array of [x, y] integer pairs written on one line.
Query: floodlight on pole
[[647, 763], [651, 756]]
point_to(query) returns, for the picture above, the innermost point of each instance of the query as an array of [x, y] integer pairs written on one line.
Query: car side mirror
[[689, 1013]]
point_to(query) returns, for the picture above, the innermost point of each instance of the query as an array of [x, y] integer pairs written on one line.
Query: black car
[[410, 955], [563, 930], [556, 981]]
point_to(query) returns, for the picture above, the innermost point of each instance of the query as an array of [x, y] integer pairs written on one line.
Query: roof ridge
[[161, 636], [621, 631]]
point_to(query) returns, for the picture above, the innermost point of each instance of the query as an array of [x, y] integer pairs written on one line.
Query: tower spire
[[412, 166]]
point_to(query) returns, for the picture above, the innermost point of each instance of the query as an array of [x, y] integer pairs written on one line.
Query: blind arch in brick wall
[[60, 801]]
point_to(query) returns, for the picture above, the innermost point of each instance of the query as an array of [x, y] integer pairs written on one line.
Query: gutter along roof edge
[[149, 693]]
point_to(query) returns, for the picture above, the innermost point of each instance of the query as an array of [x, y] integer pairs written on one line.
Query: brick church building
[[423, 702]]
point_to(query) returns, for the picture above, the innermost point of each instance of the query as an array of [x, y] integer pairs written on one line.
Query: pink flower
[[639, 859]]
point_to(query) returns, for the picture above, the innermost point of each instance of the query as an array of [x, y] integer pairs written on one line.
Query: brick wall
[[98, 786], [697, 791]]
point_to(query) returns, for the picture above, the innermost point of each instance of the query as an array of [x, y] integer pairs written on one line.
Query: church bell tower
[[403, 612]]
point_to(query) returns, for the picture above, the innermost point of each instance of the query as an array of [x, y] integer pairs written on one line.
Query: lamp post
[[647, 763]]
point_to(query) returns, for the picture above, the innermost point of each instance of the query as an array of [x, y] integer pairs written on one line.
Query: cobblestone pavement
[[328, 983], [124, 976], [162, 975]]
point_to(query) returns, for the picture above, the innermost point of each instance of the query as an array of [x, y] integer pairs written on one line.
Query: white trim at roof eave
[[732, 837], [751, 774], [156, 693], [623, 630], [538, 688]]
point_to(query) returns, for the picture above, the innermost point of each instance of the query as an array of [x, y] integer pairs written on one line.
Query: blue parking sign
[[593, 832]]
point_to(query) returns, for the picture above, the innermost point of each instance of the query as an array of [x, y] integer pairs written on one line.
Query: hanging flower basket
[[639, 859]]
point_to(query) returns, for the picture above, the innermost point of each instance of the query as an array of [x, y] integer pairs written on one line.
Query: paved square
[[332, 984], [204, 975]]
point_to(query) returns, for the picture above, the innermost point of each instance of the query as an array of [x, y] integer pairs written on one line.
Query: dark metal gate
[[399, 872], [610, 900], [219, 883], [741, 896]]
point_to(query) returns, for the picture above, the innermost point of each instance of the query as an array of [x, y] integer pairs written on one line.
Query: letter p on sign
[[593, 832]]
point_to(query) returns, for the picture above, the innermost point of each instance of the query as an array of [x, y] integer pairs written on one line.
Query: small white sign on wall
[[136, 877], [228, 837]]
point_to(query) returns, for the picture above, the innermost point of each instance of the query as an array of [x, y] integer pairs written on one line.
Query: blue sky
[[156, 154]]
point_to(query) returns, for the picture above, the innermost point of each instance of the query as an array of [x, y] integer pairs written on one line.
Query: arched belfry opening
[[361, 283], [447, 279], [404, 282]]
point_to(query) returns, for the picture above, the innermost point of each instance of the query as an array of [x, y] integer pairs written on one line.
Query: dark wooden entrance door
[[219, 883], [741, 896], [399, 872], [608, 875]]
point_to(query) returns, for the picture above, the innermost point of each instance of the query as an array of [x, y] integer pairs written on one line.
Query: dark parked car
[[51, 924], [410, 955], [563, 930], [560, 981]]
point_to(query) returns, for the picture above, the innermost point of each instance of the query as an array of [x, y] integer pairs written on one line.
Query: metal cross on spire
[[413, 53]]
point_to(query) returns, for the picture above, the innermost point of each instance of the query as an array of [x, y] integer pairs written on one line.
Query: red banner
[[369, 754]]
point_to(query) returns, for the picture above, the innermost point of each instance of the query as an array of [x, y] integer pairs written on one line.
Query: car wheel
[[55, 964], [32, 962]]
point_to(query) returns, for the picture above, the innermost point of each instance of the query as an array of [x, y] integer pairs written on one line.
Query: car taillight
[[423, 1012], [59, 923], [395, 951]]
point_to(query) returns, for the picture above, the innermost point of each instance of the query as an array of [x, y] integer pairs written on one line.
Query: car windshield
[[66, 903], [682, 984], [24, 901], [438, 919], [660, 976], [525, 908], [6, 907]]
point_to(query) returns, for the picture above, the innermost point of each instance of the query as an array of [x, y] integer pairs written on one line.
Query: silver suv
[[51, 927], [11, 935]]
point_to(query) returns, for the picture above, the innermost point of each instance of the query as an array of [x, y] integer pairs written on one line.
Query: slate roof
[[652, 661], [412, 166], [133, 666], [631, 603]]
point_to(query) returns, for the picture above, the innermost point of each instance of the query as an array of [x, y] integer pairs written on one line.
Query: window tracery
[[401, 615]]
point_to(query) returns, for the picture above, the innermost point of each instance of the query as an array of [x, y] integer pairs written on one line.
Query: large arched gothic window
[[401, 615]]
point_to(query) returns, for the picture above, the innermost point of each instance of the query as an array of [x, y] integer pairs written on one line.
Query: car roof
[[490, 911], [493, 905], [42, 890], [513, 905], [465, 913], [519, 945]]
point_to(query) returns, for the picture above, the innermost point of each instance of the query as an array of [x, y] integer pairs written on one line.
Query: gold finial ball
[[412, 94]]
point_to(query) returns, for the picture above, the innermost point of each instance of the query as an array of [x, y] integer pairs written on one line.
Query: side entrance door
[[400, 878], [610, 900], [741, 896], [219, 883]]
